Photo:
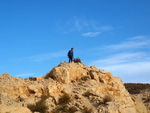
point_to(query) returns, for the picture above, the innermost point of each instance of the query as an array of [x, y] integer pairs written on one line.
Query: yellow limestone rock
[[67, 72], [11, 109], [86, 86], [6, 75]]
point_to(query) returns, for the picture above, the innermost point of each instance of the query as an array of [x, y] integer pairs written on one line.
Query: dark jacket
[[70, 53]]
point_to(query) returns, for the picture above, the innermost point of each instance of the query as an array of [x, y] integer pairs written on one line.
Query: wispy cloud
[[47, 56], [78, 25], [127, 66], [82, 25], [129, 59], [121, 58], [44, 57], [134, 42], [131, 72], [90, 34], [138, 38], [131, 68]]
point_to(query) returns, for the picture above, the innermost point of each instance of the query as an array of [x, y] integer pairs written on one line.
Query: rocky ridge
[[88, 87]]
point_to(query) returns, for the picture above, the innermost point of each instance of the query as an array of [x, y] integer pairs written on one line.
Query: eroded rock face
[[87, 86], [66, 72]]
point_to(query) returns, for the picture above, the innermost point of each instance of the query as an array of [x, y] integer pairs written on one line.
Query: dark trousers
[[70, 58]]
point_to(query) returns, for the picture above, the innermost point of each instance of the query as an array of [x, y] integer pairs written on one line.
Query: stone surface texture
[[87, 86]]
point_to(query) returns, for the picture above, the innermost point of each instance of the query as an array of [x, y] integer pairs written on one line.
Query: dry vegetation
[[77, 60], [39, 106], [65, 109], [62, 104], [136, 88], [106, 99], [141, 92], [64, 99]]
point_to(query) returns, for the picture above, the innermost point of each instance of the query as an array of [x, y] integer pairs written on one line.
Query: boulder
[[6, 75], [94, 76], [66, 73]]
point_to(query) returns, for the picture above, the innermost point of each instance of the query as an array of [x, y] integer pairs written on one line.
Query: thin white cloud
[[131, 72], [129, 59], [82, 24], [127, 66], [91, 34], [127, 45], [135, 42], [47, 56], [78, 24], [121, 58], [130, 68], [138, 38], [43, 57]]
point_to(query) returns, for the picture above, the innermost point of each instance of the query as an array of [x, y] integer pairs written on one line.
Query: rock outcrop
[[88, 87]]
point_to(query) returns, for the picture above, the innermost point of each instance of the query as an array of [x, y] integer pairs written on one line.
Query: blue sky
[[114, 35]]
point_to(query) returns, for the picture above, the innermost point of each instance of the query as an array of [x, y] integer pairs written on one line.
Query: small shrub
[[44, 97], [39, 106], [32, 78], [87, 110], [77, 60], [32, 107], [87, 94], [106, 99], [64, 99], [66, 109]]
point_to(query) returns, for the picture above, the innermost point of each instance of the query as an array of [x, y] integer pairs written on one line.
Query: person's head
[[71, 49]]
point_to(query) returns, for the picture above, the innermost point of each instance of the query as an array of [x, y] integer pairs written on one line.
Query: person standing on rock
[[70, 55]]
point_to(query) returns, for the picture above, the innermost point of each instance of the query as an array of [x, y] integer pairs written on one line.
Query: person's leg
[[71, 59]]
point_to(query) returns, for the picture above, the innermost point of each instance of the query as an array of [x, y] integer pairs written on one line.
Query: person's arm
[[68, 54]]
